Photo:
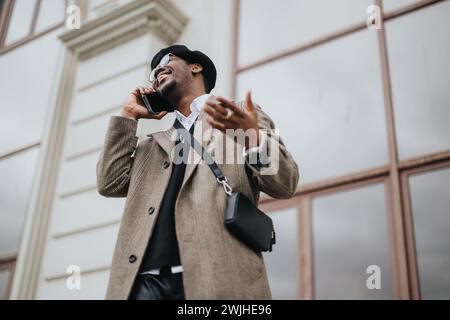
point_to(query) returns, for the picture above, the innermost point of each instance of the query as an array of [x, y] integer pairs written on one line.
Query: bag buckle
[[225, 185], [272, 241], [133, 153]]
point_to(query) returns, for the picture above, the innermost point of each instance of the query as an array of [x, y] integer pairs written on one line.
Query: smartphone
[[155, 103]]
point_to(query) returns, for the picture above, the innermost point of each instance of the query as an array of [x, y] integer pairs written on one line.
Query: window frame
[[394, 175], [8, 261], [409, 170], [5, 20]]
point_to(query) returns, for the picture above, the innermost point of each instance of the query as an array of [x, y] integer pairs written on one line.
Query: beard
[[167, 88]]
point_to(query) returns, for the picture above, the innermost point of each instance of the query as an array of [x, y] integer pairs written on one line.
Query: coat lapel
[[163, 138], [202, 132]]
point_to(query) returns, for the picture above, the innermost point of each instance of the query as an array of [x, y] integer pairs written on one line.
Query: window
[[391, 5], [350, 235], [4, 10], [15, 188], [303, 21], [283, 262], [338, 125], [23, 20], [430, 203], [356, 107], [7, 265], [4, 283], [50, 14], [420, 75]]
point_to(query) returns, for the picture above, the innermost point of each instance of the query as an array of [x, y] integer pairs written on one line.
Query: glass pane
[[4, 282], [270, 26], [51, 13], [282, 263], [351, 234], [19, 26], [418, 47], [17, 174], [430, 199], [328, 105], [389, 5], [25, 117]]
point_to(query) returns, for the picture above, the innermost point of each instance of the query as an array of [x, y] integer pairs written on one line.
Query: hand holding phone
[[155, 102], [134, 107]]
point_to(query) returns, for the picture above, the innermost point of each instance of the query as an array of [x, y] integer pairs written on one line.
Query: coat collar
[[166, 139], [203, 133]]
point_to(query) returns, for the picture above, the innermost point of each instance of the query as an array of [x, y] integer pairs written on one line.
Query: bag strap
[[198, 147]]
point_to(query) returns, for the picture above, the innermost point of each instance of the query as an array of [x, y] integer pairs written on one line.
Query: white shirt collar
[[196, 106]]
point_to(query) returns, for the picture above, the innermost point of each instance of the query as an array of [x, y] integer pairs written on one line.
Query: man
[[172, 242]]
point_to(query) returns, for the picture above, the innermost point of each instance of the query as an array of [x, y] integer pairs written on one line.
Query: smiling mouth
[[162, 76]]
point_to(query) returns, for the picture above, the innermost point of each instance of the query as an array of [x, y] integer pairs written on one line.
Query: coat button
[[151, 210], [132, 258], [166, 164]]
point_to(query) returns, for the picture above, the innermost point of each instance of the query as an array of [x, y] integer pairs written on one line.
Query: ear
[[196, 68]]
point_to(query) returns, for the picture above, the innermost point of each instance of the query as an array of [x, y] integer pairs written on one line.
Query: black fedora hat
[[209, 70]]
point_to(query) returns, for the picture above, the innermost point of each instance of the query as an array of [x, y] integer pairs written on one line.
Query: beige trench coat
[[216, 265]]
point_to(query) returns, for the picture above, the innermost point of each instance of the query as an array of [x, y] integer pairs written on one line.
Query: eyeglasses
[[164, 62]]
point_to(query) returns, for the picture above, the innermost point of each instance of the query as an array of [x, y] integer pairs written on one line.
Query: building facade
[[364, 112]]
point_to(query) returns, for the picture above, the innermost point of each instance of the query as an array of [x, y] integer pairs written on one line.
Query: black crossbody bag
[[242, 218]]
